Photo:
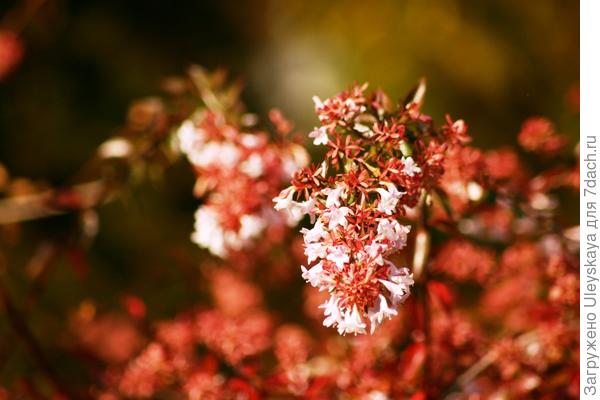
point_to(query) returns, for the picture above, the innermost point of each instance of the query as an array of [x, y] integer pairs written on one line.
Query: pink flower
[[389, 198], [319, 135], [393, 232], [410, 167], [333, 196], [339, 255], [315, 234], [351, 322], [380, 312], [315, 251], [332, 312], [314, 275], [337, 216]]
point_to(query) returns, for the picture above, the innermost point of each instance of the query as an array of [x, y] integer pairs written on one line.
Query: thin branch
[[485, 361], [420, 259], [23, 332], [36, 206]]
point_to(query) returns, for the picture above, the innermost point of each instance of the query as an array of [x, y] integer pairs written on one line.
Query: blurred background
[[492, 63]]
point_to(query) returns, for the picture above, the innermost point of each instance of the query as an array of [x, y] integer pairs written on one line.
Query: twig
[[484, 362], [420, 258], [36, 206], [23, 332]]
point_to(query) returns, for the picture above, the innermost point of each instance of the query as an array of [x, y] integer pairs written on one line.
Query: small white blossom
[[319, 135], [224, 155], [286, 203], [398, 283], [337, 216], [399, 291], [410, 167], [393, 231], [189, 137], [253, 166], [315, 251], [315, 275], [318, 102], [380, 312], [251, 141], [333, 196], [208, 232], [374, 251], [339, 255], [308, 207], [351, 322], [315, 234], [389, 199], [251, 226], [332, 312], [284, 200]]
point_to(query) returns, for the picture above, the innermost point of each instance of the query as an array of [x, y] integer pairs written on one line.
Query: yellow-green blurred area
[[492, 63]]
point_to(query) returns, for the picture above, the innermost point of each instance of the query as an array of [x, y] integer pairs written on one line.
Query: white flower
[[339, 255], [374, 251], [319, 135], [315, 234], [314, 251], [398, 283], [389, 199], [352, 322], [394, 232], [253, 166], [376, 395], [337, 216], [251, 141], [229, 155], [224, 155], [315, 275], [410, 167], [399, 291], [233, 241], [308, 207], [297, 210], [380, 312], [284, 200], [332, 312], [208, 232], [333, 196], [400, 275], [251, 226], [189, 137], [318, 102]]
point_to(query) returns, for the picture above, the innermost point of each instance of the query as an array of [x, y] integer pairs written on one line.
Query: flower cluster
[[232, 163], [538, 135], [380, 161]]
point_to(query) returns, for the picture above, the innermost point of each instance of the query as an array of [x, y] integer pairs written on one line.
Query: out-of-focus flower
[[537, 134], [463, 261], [11, 52], [233, 164], [111, 337]]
